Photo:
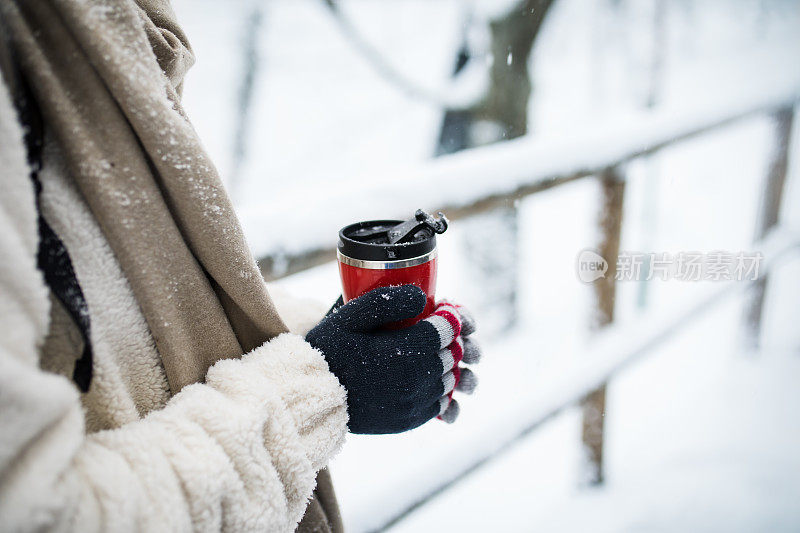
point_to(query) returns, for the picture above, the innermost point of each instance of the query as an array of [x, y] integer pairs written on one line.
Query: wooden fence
[[615, 345]]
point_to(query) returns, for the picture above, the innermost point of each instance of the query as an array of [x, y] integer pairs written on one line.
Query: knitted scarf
[[106, 76]]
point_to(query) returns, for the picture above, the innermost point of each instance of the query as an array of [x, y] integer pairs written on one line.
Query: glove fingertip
[[468, 381], [381, 306], [468, 324], [409, 300], [472, 352], [450, 411]]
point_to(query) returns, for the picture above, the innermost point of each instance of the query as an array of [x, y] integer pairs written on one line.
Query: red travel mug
[[381, 253]]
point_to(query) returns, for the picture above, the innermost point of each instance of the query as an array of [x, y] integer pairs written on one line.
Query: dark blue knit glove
[[396, 379]]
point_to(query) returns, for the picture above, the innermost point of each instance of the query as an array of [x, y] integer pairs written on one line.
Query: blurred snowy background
[[293, 98]]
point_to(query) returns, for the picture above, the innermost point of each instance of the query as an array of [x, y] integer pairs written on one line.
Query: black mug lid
[[368, 241]]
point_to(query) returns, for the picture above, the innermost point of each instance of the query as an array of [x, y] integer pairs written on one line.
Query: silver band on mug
[[385, 265]]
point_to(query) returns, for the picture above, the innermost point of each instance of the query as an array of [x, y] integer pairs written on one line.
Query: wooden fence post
[[769, 212], [594, 405]]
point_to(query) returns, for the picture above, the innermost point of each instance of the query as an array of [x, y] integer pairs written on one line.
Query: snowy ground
[[701, 436]]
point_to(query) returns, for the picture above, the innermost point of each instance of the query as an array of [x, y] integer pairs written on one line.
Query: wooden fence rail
[[505, 173]]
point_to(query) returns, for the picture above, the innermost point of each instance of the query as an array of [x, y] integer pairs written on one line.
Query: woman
[[147, 379]]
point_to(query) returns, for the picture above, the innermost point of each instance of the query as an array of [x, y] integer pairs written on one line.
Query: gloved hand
[[397, 379]]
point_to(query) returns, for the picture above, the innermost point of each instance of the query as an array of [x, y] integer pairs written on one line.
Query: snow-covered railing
[[616, 347], [494, 178], [298, 230]]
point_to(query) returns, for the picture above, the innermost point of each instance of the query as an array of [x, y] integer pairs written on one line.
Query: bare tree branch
[[389, 72]]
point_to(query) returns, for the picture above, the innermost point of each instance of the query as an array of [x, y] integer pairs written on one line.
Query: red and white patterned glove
[[455, 325]]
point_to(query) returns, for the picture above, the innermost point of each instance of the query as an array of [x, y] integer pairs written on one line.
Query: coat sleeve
[[238, 453]]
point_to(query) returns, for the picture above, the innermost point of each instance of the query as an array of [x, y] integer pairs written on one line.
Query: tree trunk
[[505, 105]]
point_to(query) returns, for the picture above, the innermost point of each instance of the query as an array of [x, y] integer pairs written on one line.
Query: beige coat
[[238, 452]]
